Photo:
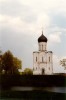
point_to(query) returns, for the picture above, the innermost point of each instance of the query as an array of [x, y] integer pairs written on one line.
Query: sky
[[21, 23]]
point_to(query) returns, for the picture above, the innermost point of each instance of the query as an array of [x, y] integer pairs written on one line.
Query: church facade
[[42, 59]]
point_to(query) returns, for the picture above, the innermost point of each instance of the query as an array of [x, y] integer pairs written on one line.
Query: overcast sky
[[21, 23]]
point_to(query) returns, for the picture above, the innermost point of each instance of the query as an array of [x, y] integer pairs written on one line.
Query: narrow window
[[42, 47], [36, 59], [49, 59], [39, 47], [49, 68], [45, 47], [42, 59]]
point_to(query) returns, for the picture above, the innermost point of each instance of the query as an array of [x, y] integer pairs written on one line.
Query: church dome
[[42, 38]]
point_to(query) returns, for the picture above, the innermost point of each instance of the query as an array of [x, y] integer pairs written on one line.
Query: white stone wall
[[35, 61], [49, 62], [42, 46]]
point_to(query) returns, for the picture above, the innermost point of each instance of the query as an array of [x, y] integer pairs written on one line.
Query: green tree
[[7, 62], [28, 71], [10, 63]]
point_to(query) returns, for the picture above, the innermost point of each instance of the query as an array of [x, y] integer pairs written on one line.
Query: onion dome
[[42, 38]]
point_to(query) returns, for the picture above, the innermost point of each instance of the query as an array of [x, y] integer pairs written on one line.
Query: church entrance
[[43, 71]]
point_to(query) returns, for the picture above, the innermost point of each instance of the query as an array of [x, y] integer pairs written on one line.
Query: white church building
[[42, 59]]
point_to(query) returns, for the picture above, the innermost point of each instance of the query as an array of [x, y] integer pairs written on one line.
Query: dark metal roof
[[42, 38]]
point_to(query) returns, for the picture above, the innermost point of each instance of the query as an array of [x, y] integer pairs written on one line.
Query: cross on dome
[[42, 38]]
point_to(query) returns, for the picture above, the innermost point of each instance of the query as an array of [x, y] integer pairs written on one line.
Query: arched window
[[43, 71]]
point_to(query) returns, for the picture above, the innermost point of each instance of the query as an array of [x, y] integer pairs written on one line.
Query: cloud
[[55, 37], [15, 23], [59, 20], [20, 25], [37, 16], [2, 0], [37, 5], [43, 5], [43, 20]]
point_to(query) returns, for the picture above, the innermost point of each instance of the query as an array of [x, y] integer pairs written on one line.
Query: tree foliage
[[17, 63], [0, 64], [10, 64], [7, 61], [28, 71], [0, 61], [63, 63]]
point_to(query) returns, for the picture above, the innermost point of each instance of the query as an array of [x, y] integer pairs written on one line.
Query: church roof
[[42, 38]]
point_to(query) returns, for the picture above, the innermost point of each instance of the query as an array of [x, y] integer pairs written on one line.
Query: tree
[[10, 63], [7, 62], [63, 63], [17, 63], [0, 61], [28, 71]]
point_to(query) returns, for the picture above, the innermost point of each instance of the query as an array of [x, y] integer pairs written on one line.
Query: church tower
[[42, 59], [42, 42]]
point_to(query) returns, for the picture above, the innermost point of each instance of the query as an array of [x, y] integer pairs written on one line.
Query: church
[[42, 59]]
